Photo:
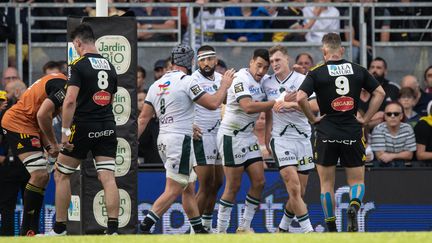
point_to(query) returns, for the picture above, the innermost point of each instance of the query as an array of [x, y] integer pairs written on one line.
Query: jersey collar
[[286, 79]]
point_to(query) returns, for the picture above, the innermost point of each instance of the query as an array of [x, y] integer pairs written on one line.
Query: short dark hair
[[83, 32], [140, 69], [332, 41], [51, 65], [206, 48], [381, 60], [407, 92], [221, 63], [425, 72], [263, 53]]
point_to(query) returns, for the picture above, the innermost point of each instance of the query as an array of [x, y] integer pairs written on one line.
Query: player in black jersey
[[88, 125], [337, 84]]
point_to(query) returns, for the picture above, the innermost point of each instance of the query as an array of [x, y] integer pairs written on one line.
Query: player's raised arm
[[212, 102]]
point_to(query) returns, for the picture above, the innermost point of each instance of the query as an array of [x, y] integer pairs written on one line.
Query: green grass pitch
[[411, 237]]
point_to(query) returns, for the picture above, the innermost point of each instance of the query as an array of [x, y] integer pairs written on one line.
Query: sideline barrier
[[395, 200]]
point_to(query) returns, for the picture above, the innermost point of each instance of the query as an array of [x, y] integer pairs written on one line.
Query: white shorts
[[288, 152], [176, 152], [238, 151], [205, 151]]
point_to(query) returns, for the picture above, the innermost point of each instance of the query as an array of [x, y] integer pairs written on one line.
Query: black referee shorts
[[350, 152], [97, 137]]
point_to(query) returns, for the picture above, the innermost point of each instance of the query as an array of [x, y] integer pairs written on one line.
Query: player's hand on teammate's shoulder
[[197, 133], [227, 78]]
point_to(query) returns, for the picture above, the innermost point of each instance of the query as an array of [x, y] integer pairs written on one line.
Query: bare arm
[[69, 106], [385, 36], [169, 24], [44, 117], [302, 100], [314, 105], [146, 114], [387, 157], [347, 36], [376, 119], [268, 129], [212, 102], [251, 107], [405, 155], [422, 154]]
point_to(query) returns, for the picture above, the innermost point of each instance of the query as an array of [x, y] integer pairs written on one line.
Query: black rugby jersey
[[337, 85], [97, 80]]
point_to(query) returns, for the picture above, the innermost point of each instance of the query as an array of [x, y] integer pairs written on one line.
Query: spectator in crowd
[[378, 68], [201, 18], [14, 90], [422, 98], [221, 67], [423, 133], [428, 79], [148, 24], [305, 61], [11, 23], [377, 118], [174, 11], [288, 11], [159, 69], [112, 11], [393, 141], [51, 67], [9, 74], [168, 64], [406, 23], [318, 25], [407, 99], [141, 76], [54, 25], [368, 18], [250, 23]]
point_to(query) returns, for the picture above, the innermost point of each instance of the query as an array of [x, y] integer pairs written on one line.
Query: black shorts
[[350, 153], [22, 143], [97, 137]]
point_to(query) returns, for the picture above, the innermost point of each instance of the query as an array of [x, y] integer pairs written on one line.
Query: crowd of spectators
[[160, 23]]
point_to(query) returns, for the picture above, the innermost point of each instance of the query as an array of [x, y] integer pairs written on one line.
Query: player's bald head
[[15, 88]]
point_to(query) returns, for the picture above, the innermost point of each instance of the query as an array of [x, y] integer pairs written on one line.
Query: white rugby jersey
[[236, 122], [207, 120], [172, 98], [289, 123]]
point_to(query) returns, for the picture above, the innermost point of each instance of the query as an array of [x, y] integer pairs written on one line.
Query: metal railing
[[177, 31]]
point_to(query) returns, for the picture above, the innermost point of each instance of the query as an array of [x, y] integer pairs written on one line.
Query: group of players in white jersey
[[196, 142]]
